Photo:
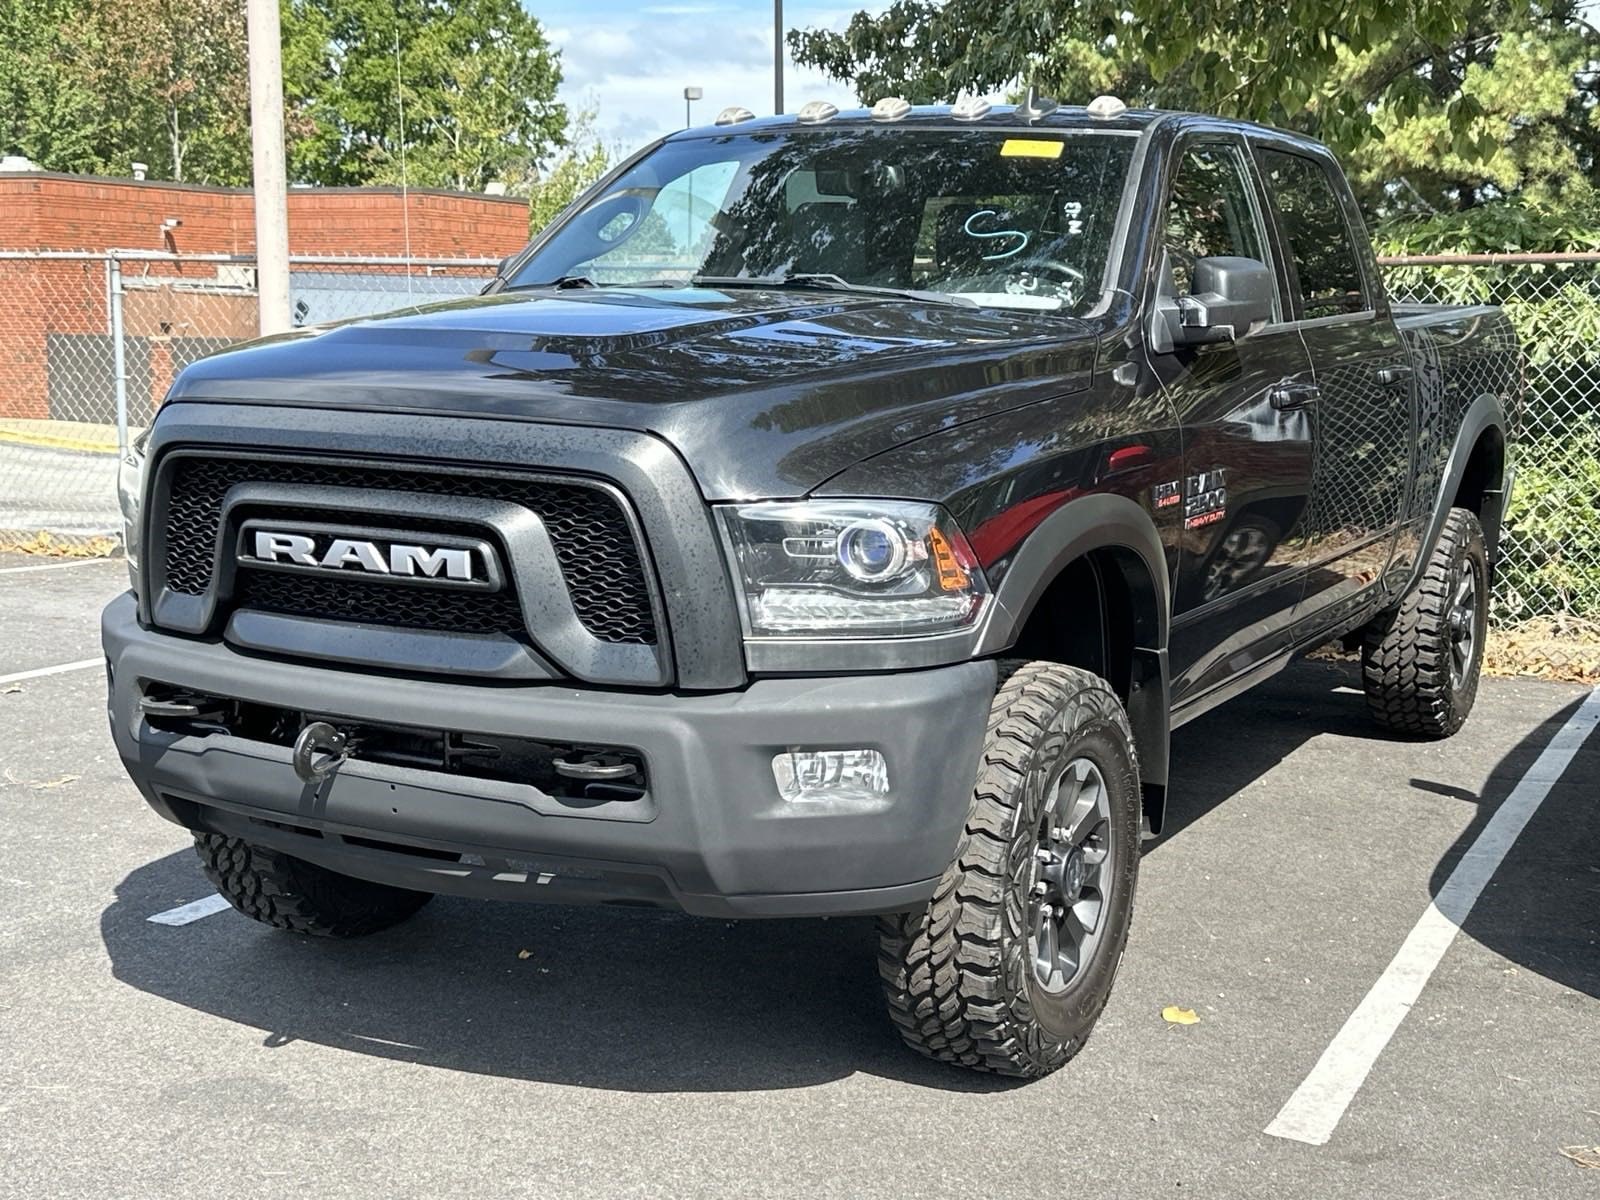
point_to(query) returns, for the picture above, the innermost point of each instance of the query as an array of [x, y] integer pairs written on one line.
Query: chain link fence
[[89, 344], [1546, 604]]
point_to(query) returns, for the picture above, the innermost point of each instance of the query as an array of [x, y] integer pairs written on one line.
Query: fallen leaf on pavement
[[1584, 1156], [524, 953], [1179, 1016], [11, 689], [55, 783]]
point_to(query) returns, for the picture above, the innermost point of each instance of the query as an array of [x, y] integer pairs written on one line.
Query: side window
[[1211, 211], [1318, 234]]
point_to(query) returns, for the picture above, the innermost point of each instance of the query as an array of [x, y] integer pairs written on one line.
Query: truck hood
[[765, 393]]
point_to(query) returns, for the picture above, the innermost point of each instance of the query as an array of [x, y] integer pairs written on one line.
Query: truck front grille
[[329, 599], [593, 541]]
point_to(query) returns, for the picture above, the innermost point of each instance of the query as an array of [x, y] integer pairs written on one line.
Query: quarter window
[[1211, 212], [1318, 234]]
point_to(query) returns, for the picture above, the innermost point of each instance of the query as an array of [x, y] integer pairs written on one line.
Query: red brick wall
[[40, 298], [40, 211]]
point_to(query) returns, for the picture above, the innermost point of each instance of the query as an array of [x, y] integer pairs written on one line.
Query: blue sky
[[632, 60]]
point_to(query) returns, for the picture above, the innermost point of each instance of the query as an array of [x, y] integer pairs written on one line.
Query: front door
[[1247, 445], [1362, 409]]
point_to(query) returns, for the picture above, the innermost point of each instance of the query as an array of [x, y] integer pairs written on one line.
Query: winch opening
[[575, 773]]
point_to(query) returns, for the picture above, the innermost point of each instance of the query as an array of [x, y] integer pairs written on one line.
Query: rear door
[[1247, 459], [1361, 408]]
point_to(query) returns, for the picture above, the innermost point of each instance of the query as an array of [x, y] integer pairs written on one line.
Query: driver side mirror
[[1229, 298], [500, 275]]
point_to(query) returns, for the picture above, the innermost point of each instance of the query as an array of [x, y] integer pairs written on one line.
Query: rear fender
[[1483, 414]]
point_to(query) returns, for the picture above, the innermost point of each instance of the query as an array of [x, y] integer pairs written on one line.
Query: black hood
[[765, 393]]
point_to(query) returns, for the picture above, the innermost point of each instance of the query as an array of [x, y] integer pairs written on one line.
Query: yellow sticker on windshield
[[1031, 148]]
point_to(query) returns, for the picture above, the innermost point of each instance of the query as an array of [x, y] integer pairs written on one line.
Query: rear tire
[[290, 893], [1420, 662], [976, 977]]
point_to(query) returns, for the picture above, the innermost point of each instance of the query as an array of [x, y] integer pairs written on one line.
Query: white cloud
[[633, 62]]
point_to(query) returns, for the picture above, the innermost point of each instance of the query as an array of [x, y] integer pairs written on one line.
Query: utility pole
[[270, 181], [690, 95], [777, 57]]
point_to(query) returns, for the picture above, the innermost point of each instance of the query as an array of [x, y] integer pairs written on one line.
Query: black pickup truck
[[826, 515]]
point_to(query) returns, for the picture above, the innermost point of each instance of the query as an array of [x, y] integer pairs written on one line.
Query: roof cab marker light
[[734, 115], [973, 108], [891, 108], [1106, 107], [815, 112]]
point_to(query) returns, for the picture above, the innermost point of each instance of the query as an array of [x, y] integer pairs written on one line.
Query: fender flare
[[1101, 522], [1483, 414]]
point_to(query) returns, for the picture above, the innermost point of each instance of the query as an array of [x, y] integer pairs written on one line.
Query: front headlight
[[852, 569], [130, 499]]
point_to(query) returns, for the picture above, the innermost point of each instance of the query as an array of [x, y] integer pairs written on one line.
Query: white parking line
[[1317, 1105], [40, 672], [184, 914], [77, 562]]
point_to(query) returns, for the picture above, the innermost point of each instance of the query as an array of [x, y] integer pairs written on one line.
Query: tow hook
[[319, 751]]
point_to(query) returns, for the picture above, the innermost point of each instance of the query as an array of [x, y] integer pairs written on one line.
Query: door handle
[[1389, 376], [1290, 394]]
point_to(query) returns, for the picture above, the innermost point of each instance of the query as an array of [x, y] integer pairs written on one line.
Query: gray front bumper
[[715, 836]]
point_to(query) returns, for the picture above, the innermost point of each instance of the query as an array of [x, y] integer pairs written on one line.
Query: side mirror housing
[[500, 277], [1231, 296]]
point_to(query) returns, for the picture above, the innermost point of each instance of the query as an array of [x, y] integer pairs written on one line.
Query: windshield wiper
[[560, 281], [823, 282], [568, 282]]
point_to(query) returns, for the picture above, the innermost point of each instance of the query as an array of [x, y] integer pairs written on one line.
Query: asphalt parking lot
[[494, 1049]]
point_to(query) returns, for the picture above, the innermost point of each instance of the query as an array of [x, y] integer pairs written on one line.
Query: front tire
[[1420, 662], [277, 889], [1008, 967]]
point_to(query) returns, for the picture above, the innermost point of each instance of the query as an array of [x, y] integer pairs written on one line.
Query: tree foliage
[[94, 85], [1438, 105], [48, 109], [584, 161], [1264, 60], [176, 83], [472, 83]]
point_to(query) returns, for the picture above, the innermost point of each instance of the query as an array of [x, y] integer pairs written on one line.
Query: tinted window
[[1319, 236], [1004, 218], [1211, 212]]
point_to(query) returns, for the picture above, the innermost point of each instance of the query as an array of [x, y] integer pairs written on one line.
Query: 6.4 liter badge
[[376, 554]]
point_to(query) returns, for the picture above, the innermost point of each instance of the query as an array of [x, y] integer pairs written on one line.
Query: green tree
[[472, 83], [1525, 82], [1284, 62], [563, 181], [48, 110], [175, 87]]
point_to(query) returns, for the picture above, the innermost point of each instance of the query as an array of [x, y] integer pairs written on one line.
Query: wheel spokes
[[1090, 807], [1047, 940], [1067, 882]]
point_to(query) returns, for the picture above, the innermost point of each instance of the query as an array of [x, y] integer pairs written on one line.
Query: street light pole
[[267, 168], [690, 95], [777, 57]]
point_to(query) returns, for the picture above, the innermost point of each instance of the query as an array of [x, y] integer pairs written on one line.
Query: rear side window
[[1318, 234], [1210, 212]]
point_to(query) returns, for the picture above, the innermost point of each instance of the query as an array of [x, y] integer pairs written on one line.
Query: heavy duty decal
[[1207, 501]]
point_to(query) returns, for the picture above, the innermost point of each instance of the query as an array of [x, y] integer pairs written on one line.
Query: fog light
[[830, 774]]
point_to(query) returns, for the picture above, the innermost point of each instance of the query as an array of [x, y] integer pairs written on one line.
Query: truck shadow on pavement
[[658, 1002]]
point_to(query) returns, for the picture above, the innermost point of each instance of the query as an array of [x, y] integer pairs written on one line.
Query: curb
[[51, 441]]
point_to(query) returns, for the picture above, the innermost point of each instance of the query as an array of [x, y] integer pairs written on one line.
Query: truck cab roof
[[999, 116]]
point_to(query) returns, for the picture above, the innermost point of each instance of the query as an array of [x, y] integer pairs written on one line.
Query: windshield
[[1018, 219]]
